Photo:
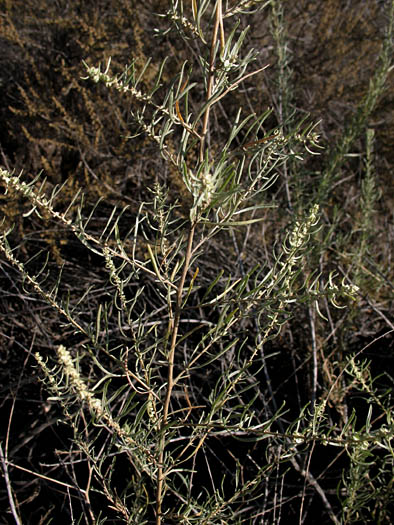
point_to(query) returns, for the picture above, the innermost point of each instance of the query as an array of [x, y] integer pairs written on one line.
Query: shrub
[[182, 400]]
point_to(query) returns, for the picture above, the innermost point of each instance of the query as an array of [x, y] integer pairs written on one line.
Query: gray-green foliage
[[174, 363]]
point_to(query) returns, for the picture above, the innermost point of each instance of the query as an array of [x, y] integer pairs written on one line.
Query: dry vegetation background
[[76, 132]]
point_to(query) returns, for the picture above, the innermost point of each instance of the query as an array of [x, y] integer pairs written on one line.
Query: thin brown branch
[[170, 374], [211, 77]]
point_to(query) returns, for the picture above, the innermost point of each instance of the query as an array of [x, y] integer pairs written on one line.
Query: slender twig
[[5, 464], [211, 77], [312, 320], [312, 481], [170, 374], [42, 476]]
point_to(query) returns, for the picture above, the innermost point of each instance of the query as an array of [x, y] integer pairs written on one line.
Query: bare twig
[[5, 464]]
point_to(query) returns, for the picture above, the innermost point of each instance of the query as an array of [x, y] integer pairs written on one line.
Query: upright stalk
[[218, 23], [161, 473]]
